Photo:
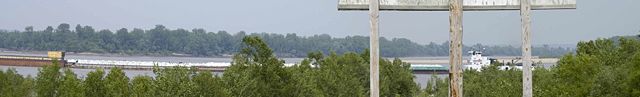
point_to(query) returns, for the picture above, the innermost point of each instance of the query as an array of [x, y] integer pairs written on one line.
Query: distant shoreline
[[441, 60]]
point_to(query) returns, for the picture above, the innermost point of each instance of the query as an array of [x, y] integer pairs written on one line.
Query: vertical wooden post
[[525, 8], [455, 48], [374, 76]]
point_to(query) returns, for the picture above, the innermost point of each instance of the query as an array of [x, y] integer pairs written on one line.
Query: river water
[[421, 79]]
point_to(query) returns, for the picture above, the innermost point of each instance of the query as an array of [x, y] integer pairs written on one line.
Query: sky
[[591, 20]]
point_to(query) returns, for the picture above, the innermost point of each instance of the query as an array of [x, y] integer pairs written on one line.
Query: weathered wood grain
[[443, 5], [455, 48]]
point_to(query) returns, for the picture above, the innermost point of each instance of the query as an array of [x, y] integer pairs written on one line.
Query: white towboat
[[477, 62]]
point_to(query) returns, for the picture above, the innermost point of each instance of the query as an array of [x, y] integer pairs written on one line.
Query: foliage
[[257, 66], [142, 86], [492, 82], [208, 85], [343, 75], [197, 42], [598, 68], [397, 79], [48, 80], [13, 84], [317, 76], [94, 84], [70, 85], [117, 84], [173, 82]]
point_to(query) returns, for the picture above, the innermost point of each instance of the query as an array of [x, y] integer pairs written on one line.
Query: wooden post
[[525, 8], [455, 48], [374, 76], [455, 8]]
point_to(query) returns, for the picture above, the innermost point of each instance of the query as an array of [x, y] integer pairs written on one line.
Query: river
[[421, 79]]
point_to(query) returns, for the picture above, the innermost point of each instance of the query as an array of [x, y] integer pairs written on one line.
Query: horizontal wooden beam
[[443, 5]]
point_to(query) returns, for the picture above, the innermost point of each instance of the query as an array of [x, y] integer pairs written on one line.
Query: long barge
[[33, 61], [39, 61]]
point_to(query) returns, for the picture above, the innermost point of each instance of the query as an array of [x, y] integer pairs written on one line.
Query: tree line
[[198, 42], [598, 68], [255, 72]]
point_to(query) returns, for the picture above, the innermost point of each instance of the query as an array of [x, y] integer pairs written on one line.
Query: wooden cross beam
[[455, 8], [443, 5]]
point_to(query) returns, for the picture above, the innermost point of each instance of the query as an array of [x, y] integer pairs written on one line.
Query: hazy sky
[[592, 19]]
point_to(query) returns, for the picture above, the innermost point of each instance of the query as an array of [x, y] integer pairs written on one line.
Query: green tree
[[48, 80], [256, 72], [493, 82], [633, 80], [305, 84], [4, 83], [13, 84], [27, 87], [70, 86], [397, 79], [343, 76], [208, 85], [173, 82], [142, 86], [94, 84], [117, 84], [544, 83], [197, 42]]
